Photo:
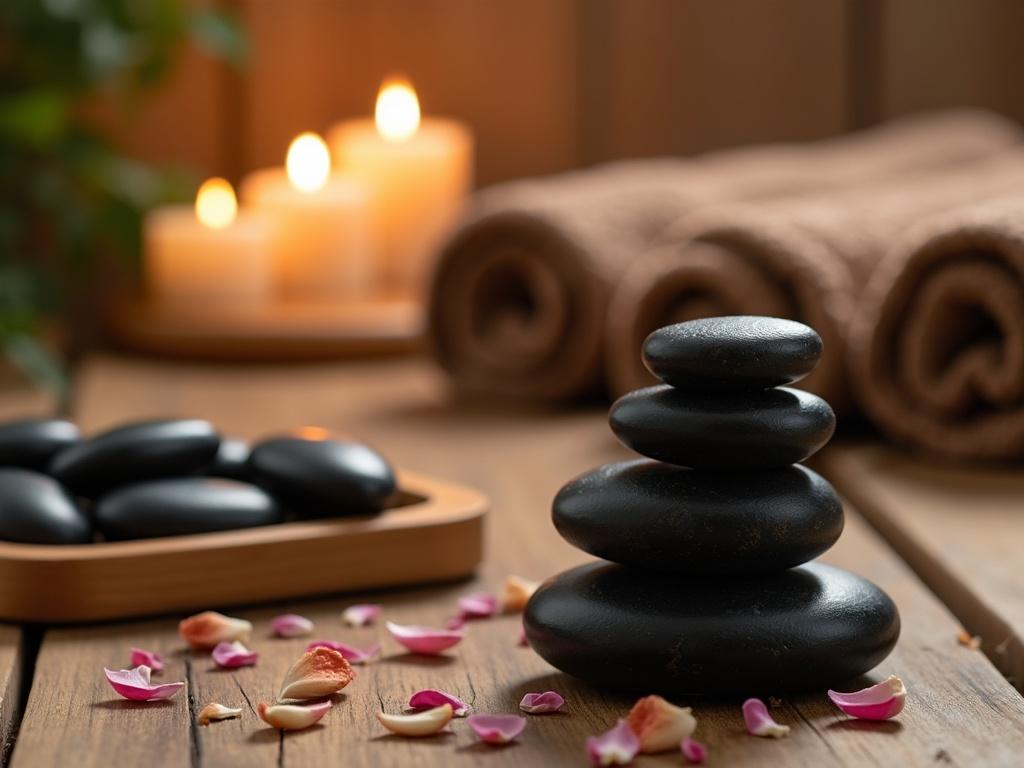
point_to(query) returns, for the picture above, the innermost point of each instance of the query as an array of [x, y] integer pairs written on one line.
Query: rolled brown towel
[[802, 258], [936, 349], [520, 296]]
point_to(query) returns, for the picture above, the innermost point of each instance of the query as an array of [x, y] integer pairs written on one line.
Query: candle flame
[[398, 110], [216, 205], [312, 433], [308, 162]]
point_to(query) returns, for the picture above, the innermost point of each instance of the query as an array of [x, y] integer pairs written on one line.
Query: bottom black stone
[[805, 629]]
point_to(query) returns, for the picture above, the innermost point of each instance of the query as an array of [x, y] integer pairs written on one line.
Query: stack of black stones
[[174, 477], [707, 592]]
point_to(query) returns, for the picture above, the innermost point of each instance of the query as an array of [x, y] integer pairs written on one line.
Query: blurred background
[[111, 107]]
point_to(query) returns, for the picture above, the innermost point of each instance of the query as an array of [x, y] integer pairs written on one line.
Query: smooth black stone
[[232, 460], [319, 478], [130, 454], [182, 506], [35, 509], [736, 353], [32, 443], [661, 517], [751, 430], [805, 629]]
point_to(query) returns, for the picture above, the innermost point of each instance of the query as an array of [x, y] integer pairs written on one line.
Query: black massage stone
[[32, 443], [35, 509]]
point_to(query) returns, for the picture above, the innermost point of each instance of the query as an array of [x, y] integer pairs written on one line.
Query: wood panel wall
[[554, 84]]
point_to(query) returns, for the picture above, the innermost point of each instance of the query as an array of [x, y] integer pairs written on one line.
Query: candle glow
[[308, 163], [397, 113], [216, 205]]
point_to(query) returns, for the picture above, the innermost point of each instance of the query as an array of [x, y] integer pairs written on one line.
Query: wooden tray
[[433, 533], [280, 331]]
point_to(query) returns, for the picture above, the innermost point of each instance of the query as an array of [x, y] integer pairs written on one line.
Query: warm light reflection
[[312, 433], [216, 205], [398, 110], [308, 162]]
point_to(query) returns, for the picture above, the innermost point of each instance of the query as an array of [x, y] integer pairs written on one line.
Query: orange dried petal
[[660, 726], [318, 672]]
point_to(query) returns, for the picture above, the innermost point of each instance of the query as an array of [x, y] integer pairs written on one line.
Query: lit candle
[[418, 171], [211, 252], [321, 232]]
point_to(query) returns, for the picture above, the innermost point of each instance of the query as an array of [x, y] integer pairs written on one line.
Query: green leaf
[[219, 34], [35, 118], [37, 362]]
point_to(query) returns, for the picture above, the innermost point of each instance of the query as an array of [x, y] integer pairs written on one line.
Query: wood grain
[[961, 710], [959, 528], [12, 649]]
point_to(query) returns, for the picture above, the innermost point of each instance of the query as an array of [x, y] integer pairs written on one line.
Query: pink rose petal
[[151, 659], [134, 684], [617, 746], [759, 722], [350, 652], [877, 702], [693, 751], [233, 655], [430, 698], [522, 637], [496, 729], [360, 615], [541, 703], [478, 605], [292, 717], [291, 625], [424, 640], [455, 622]]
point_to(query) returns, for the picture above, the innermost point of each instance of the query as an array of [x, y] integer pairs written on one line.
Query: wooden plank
[[959, 528], [74, 715], [961, 709], [683, 77], [508, 69], [943, 53], [12, 650]]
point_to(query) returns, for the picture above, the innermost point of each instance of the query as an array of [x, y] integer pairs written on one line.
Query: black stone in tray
[[35, 509], [32, 443], [182, 506], [136, 452]]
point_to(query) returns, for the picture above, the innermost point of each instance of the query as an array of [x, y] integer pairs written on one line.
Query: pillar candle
[[320, 224], [209, 252], [418, 173]]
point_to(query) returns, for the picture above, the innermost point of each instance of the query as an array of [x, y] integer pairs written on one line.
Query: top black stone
[[736, 353], [32, 443]]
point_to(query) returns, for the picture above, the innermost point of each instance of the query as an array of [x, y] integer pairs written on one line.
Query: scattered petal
[[360, 615], [541, 703], [350, 652], [430, 698], [424, 640], [215, 711], [522, 637], [660, 726], [496, 729], [478, 605], [515, 592], [617, 746], [204, 630], [693, 751], [319, 672], [423, 723], [455, 622], [233, 655], [970, 641], [291, 625], [759, 722], [877, 702], [292, 717], [148, 658], [134, 684]]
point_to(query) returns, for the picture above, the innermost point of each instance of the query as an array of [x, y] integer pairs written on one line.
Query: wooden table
[[58, 710]]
